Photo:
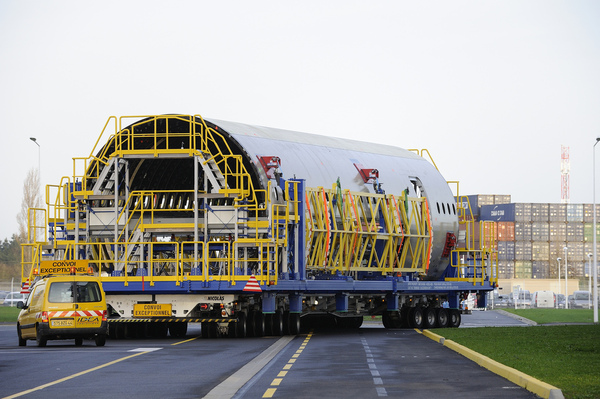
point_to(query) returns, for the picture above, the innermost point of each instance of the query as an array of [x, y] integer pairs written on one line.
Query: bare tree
[[32, 198]]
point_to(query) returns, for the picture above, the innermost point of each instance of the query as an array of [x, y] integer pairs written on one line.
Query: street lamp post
[[558, 260], [589, 273], [39, 155], [566, 280], [595, 265]]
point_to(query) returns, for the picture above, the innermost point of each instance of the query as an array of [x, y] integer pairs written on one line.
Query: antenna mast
[[565, 167]]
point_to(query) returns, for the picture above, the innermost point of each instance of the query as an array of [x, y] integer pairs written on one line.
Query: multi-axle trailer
[[251, 230]]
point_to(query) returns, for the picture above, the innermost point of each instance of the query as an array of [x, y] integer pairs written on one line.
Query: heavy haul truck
[[252, 230]]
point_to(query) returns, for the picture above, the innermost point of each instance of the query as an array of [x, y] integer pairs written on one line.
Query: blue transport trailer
[[252, 230]]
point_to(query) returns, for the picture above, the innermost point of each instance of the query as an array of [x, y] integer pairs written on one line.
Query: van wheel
[[22, 342], [100, 340], [39, 337], [78, 341]]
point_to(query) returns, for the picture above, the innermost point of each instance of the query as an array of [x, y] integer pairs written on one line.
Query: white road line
[[377, 380]]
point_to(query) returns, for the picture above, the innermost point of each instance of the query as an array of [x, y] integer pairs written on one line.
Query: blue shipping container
[[498, 213]]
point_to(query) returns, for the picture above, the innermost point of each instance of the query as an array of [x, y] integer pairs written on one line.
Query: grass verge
[[547, 316], [8, 314], [567, 357]]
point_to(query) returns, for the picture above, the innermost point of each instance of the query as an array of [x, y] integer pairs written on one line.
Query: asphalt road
[[370, 362]]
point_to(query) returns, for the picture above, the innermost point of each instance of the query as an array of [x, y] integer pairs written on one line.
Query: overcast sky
[[491, 88]]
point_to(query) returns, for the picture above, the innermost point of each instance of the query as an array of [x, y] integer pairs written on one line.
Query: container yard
[[532, 236]]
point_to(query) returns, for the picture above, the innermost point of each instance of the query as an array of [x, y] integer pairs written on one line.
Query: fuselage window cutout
[[443, 208], [438, 206], [454, 209]]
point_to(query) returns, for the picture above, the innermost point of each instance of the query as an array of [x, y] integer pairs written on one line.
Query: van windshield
[[85, 291], [582, 296]]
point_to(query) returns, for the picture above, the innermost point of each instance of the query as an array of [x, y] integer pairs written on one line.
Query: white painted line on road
[[231, 385], [144, 350], [377, 380]]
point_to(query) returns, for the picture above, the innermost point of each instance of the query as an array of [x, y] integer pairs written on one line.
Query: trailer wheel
[[286, 322], [250, 324], [277, 319], [455, 318], [442, 318], [294, 323], [213, 330], [268, 324], [240, 325], [415, 317], [204, 329], [259, 323], [429, 318], [177, 329]]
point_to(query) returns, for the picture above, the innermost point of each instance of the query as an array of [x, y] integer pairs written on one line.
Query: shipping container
[[557, 212], [523, 212], [540, 231], [557, 231], [588, 214], [588, 249], [498, 213], [540, 250], [576, 269], [574, 231], [539, 212], [574, 212], [506, 250], [522, 231], [523, 250], [506, 231], [575, 251], [540, 269], [523, 269], [501, 199], [506, 269], [588, 232], [556, 250]]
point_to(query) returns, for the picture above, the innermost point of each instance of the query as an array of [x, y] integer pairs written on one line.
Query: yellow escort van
[[64, 307]]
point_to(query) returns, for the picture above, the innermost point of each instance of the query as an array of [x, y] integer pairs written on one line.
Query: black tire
[[250, 324], [386, 319], [278, 322], [204, 329], [268, 324], [213, 330], [429, 318], [176, 329], [40, 338], [443, 318], [455, 318], [286, 322], [22, 341], [294, 323], [78, 341], [259, 324], [100, 340], [415, 317], [241, 325]]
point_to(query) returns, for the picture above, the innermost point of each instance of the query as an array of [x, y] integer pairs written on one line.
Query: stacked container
[[532, 236]]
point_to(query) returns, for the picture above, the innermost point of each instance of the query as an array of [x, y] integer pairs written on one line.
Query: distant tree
[[10, 258], [32, 198]]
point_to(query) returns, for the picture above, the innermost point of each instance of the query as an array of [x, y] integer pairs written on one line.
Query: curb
[[516, 317], [528, 382]]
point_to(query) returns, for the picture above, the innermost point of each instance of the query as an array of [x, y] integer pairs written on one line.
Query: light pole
[[566, 280], [589, 280], [558, 260], [595, 249], [39, 155]]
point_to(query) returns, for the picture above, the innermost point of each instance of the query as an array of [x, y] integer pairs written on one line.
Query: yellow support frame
[[345, 233]]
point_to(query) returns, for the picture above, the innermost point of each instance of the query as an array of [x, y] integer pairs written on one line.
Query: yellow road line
[[16, 395], [183, 342]]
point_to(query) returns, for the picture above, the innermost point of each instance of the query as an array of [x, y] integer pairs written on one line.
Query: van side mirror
[[21, 305]]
